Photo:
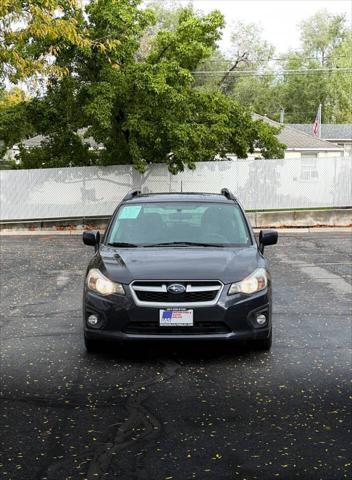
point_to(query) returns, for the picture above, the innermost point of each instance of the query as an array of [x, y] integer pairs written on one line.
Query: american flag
[[317, 123]]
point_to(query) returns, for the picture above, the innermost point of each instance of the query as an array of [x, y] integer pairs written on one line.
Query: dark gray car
[[180, 266]]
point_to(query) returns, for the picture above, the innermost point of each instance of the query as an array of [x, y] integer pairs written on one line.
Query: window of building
[[309, 170]]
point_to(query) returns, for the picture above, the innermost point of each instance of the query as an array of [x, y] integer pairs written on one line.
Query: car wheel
[[264, 344], [92, 346]]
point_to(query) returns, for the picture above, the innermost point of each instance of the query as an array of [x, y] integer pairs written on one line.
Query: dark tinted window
[[149, 223]]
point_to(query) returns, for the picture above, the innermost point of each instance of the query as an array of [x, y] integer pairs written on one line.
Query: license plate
[[176, 318]]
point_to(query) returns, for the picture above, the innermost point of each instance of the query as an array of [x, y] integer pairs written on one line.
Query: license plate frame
[[176, 317]]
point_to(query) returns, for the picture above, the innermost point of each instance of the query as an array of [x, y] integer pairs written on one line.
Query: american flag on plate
[[176, 318]]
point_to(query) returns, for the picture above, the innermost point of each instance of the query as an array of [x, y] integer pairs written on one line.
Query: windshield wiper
[[122, 244], [184, 244]]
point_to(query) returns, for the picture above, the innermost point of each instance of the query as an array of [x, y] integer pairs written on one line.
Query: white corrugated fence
[[95, 191]]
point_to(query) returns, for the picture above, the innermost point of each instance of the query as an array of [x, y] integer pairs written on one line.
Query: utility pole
[[282, 115], [316, 128]]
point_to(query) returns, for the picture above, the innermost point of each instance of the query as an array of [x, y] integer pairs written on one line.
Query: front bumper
[[232, 318]]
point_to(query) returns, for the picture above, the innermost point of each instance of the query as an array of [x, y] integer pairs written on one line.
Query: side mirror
[[92, 238], [267, 237]]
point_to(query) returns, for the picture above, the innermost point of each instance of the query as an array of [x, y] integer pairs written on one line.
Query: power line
[[253, 73], [267, 59]]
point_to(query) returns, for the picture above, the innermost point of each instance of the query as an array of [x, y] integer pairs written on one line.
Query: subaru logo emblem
[[176, 288]]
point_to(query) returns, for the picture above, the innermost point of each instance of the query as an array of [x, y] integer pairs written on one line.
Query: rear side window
[[149, 223]]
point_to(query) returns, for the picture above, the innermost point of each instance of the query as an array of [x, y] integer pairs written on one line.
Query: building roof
[[34, 141], [296, 139], [39, 139], [329, 131]]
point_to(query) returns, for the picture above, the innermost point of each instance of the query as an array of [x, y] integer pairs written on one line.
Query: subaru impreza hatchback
[[178, 266]]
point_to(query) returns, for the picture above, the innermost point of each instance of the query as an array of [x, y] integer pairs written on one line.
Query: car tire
[[92, 346], [263, 345]]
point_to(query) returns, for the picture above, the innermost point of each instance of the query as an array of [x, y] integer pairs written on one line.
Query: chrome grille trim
[[162, 288], [212, 288], [150, 289]]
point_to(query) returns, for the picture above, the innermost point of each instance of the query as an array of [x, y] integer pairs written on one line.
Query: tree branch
[[241, 58]]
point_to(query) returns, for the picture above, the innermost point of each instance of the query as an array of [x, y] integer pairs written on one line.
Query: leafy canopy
[[326, 43], [140, 105], [33, 31], [321, 33]]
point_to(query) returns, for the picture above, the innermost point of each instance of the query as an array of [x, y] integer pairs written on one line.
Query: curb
[[9, 233]]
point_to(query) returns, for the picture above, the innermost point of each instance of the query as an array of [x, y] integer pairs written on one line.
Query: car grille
[[199, 328], [180, 298], [196, 292]]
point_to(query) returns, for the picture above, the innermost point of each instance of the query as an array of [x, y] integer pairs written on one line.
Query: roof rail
[[132, 194], [230, 196]]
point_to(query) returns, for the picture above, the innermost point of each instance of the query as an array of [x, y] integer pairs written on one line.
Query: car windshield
[[176, 223]]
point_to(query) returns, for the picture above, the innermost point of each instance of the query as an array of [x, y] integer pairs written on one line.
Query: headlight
[[258, 280], [96, 281]]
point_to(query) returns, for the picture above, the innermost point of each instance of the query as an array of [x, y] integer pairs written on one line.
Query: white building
[[301, 144], [339, 133]]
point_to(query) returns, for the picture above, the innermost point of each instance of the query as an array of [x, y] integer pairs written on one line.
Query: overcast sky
[[279, 18]]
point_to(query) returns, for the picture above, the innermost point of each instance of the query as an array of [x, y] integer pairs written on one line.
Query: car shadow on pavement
[[178, 351]]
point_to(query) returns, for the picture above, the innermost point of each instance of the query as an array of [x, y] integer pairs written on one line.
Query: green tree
[[301, 93], [322, 33], [326, 45], [339, 87], [248, 52], [250, 57], [306, 80], [167, 13], [9, 98], [14, 122], [33, 31], [248, 47], [141, 109], [262, 94]]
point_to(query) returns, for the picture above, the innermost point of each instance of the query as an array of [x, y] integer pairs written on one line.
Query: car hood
[[225, 264]]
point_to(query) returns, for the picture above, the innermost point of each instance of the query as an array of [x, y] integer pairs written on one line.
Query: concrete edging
[[293, 219], [341, 217], [13, 233]]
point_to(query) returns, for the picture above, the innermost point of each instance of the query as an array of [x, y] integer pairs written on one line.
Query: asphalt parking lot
[[175, 412]]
